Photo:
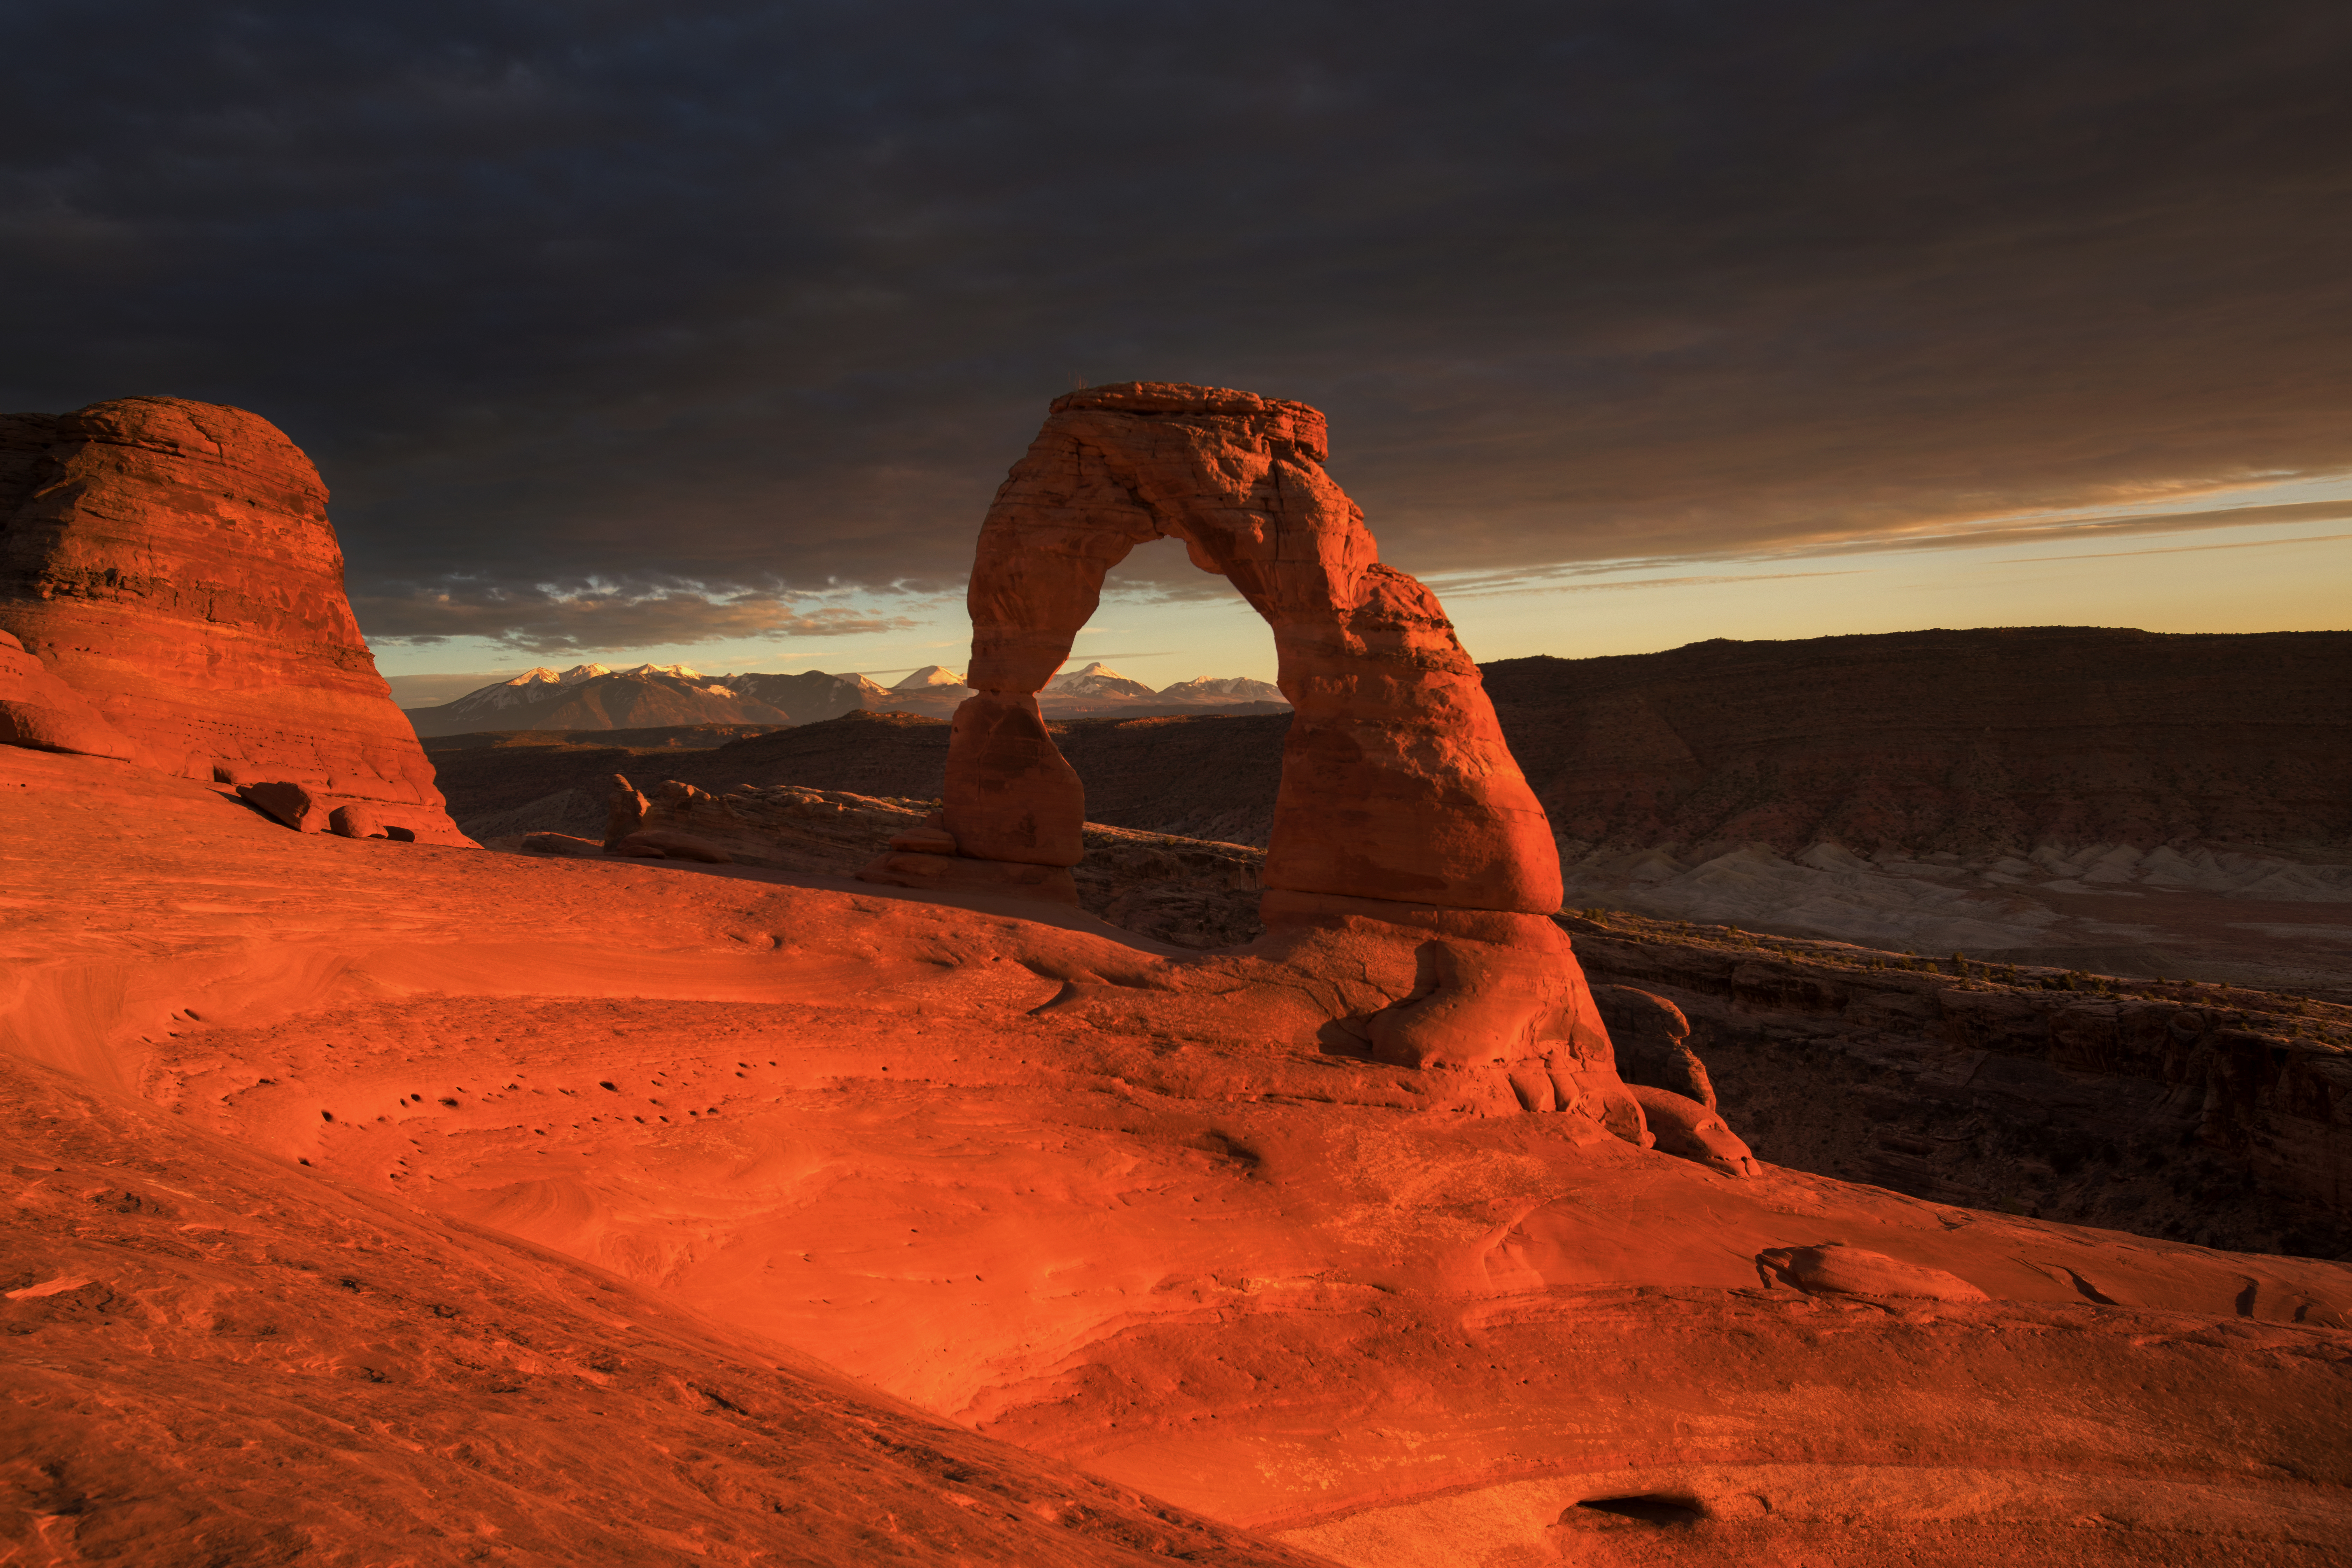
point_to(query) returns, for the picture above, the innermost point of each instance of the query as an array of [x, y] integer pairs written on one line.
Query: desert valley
[[1858, 1101]]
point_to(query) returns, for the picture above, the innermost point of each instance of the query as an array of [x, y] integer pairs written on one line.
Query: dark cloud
[[539, 620], [701, 300]]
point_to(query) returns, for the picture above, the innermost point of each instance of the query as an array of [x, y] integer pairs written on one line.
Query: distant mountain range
[[1095, 692], [650, 696]]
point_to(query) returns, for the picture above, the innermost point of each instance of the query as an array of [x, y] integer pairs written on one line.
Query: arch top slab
[[1396, 785]]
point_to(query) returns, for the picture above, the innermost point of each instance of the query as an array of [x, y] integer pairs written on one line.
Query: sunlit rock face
[[172, 563]]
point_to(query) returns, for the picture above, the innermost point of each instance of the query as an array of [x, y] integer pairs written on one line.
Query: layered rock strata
[[1406, 843], [171, 562]]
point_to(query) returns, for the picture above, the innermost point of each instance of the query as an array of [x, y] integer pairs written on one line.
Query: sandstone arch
[[1411, 874], [1396, 782]]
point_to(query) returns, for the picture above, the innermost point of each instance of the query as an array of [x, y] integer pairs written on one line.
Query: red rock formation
[[625, 811], [1651, 1036], [172, 561], [1406, 844], [1839, 1270], [1680, 1125], [1396, 782], [173, 1451]]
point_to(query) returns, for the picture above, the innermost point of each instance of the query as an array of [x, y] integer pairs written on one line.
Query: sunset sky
[[704, 332]]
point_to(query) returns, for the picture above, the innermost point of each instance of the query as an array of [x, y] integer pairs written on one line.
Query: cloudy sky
[[706, 332]]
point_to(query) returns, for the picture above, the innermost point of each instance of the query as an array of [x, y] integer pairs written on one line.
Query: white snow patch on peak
[[576, 675], [681, 672], [542, 676], [1063, 682], [1226, 686], [929, 675]]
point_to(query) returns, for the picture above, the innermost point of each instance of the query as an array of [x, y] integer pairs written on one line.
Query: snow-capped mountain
[[1227, 689], [1098, 691], [595, 696], [532, 688], [931, 675], [1095, 679]]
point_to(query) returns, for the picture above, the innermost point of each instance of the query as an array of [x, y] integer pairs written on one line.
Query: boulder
[[1682, 1126], [1604, 1097], [289, 802], [354, 822], [666, 844], [38, 710], [625, 811], [172, 563], [1651, 1039], [562, 844], [1834, 1268]]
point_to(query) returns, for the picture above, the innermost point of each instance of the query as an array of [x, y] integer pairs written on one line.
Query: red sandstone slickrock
[[171, 562], [527, 1186]]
